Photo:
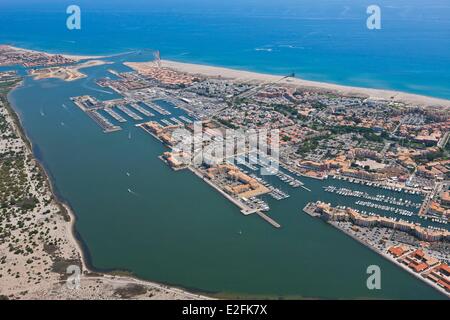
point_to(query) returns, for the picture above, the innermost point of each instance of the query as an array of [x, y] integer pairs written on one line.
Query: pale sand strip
[[93, 284], [66, 73], [68, 56], [239, 75]]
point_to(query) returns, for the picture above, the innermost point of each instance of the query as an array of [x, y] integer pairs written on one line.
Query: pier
[[175, 120], [115, 115], [166, 122], [311, 210], [130, 113], [268, 219], [104, 123], [157, 108], [244, 208], [141, 110], [364, 195], [188, 121]]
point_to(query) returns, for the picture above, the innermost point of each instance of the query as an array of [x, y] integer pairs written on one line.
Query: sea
[[136, 215]]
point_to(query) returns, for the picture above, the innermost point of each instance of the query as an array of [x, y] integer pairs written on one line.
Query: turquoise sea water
[[319, 40], [172, 227]]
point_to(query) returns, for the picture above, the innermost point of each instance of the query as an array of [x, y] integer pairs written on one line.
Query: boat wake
[[132, 192]]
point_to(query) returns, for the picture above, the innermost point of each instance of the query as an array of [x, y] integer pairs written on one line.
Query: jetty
[[268, 219], [157, 108], [130, 113], [115, 115], [188, 121], [104, 123], [141, 110]]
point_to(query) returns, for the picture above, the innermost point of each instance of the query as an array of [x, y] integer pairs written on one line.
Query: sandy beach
[[68, 56], [239, 75], [37, 267], [67, 73]]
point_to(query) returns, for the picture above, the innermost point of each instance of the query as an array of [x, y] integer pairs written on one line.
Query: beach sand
[[239, 75], [68, 56], [37, 267], [66, 73]]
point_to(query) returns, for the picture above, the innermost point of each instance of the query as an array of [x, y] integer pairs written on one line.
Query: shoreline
[[379, 252], [89, 272], [74, 237], [77, 58], [241, 75], [392, 260]]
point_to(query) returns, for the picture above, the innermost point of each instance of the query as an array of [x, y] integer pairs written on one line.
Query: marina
[[369, 204], [157, 108], [166, 122], [379, 185], [378, 197], [155, 214], [188, 121], [142, 110], [104, 123], [176, 121], [130, 113], [115, 115]]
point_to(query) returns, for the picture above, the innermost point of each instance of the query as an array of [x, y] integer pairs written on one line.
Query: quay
[[115, 115], [130, 113], [188, 121], [89, 106], [244, 209], [175, 120], [142, 110], [144, 127], [104, 123], [157, 108], [311, 210], [166, 122], [268, 219]]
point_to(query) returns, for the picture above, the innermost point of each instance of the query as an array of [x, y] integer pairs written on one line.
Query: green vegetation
[[21, 185], [285, 109], [318, 105], [368, 133], [430, 157], [311, 144], [130, 291]]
